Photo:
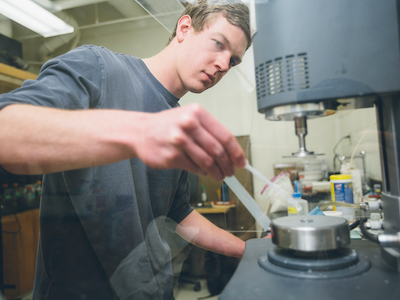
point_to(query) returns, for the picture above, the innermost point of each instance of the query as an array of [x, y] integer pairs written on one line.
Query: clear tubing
[[248, 202], [324, 206], [274, 186]]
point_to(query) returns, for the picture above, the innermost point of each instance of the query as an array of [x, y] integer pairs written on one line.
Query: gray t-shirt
[[101, 228]]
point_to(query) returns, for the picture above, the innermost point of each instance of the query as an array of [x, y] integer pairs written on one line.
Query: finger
[[210, 154], [215, 150], [224, 137], [171, 158], [184, 142], [187, 164], [205, 162]]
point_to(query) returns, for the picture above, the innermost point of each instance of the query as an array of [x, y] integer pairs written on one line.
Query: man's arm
[[199, 231], [36, 140]]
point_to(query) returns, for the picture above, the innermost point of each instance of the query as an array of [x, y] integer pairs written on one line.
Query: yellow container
[[342, 191]]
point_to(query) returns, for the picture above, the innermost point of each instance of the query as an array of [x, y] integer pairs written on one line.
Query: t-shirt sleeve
[[181, 206], [71, 81]]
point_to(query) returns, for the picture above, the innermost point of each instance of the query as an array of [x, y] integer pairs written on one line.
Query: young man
[[107, 131]]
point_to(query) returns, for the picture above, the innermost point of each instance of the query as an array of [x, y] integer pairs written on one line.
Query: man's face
[[209, 54]]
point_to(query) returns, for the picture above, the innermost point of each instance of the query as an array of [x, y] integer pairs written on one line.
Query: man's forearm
[[37, 140], [202, 233]]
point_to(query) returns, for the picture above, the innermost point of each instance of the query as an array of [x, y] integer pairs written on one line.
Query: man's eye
[[232, 63], [218, 44]]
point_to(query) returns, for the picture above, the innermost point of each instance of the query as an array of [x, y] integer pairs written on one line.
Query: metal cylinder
[[310, 233]]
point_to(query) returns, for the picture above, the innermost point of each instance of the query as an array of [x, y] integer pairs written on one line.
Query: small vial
[[292, 211], [204, 197]]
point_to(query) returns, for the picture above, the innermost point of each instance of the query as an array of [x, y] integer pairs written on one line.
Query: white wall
[[361, 125], [143, 38]]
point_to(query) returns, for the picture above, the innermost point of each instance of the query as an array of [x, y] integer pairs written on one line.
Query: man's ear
[[183, 27]]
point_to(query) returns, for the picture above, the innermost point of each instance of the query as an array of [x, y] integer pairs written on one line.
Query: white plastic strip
[[274, 186], [248, 202]]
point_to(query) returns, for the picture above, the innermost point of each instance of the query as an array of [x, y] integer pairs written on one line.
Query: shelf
[[212, 210], [12, 78]]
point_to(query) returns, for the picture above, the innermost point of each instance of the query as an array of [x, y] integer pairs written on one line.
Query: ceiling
[[96, 13]]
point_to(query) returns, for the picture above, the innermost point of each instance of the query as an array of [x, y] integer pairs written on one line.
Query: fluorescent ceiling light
[[34, 17]]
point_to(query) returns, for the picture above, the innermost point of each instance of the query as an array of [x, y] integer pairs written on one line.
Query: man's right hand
[[189, 138], [37, 140]]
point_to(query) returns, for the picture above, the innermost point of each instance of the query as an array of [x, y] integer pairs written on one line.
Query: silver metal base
[[310, 233]]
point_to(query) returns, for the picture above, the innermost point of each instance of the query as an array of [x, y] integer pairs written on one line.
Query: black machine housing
[[308, 51], [335, 54]]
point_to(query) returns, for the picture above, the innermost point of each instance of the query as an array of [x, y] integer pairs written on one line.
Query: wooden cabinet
[[20, 242], [12, 78], [20, 231]]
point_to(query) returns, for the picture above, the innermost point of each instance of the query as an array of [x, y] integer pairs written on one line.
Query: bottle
[[377, 189], [204, 197], [357, 185], [292, 211], [342, 191], [29, 196], [7, 197], [225, 193], [18, 194], [38, 190], [324, 168], [4, 186]]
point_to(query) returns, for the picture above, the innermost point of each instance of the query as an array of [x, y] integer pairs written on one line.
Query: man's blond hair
[[205, 12]]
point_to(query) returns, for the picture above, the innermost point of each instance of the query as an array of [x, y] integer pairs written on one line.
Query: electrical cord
[[354, 225], [366, 233]]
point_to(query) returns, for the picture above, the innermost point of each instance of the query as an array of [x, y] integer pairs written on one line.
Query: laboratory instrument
[[313, 58]]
